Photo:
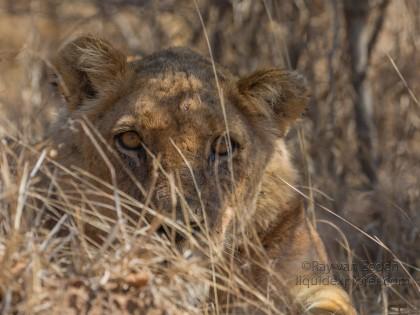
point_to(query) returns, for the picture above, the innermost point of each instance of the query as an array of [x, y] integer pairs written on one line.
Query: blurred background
[[358, 148]]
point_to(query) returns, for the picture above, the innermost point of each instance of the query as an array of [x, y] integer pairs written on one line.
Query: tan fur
[[171, 100]]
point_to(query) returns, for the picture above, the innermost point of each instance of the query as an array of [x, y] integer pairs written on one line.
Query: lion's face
[[197, 146], [171, 134]]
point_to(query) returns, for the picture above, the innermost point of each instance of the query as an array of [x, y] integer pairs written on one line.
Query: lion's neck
[[277, 195]]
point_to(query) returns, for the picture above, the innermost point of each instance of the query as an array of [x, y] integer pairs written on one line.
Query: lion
[[176, 119]]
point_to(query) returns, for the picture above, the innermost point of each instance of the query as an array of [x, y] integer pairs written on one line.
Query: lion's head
[[196, 138]]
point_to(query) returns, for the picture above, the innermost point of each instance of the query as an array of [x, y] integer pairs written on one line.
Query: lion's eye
[[222, 147], [129, 140]]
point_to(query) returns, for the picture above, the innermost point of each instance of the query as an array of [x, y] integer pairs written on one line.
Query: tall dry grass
[[366, 226]]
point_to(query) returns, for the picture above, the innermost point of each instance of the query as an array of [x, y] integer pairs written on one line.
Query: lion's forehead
[[171, 82], [177, 92], [162, 100]]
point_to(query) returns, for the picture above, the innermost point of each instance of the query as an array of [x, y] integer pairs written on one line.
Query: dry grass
[[49, 272]]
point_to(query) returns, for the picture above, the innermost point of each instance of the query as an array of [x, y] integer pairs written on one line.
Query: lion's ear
[[87, 68], [277, 94]]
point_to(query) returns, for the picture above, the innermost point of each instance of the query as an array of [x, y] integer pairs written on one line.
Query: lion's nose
[[191, 229], [168, 233]]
